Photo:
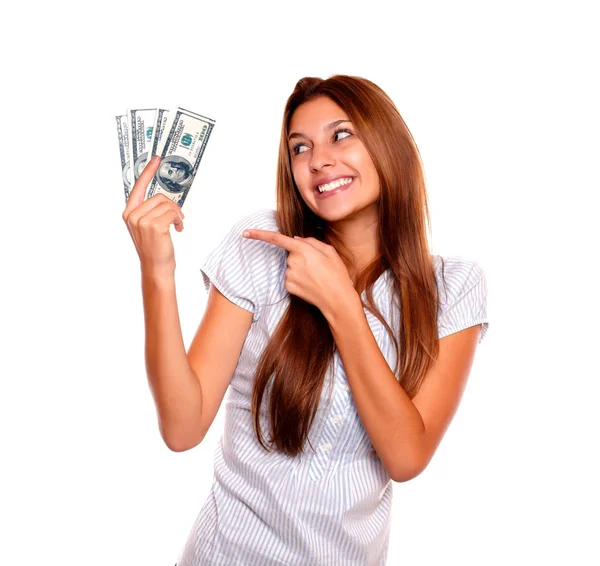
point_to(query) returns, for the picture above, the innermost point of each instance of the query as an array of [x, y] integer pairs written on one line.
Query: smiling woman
[[354, 342]]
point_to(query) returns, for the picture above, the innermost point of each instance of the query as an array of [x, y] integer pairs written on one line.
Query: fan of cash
[[179, 136]]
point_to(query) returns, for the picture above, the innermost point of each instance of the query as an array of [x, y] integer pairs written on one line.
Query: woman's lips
[[334, 192]]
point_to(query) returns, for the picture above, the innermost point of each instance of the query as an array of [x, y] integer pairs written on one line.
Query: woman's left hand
[[315, 273]]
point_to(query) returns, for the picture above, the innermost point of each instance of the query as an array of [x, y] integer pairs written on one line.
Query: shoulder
[[455, 276], [462, 291], [244, 270], [262, 219], [233, 246]]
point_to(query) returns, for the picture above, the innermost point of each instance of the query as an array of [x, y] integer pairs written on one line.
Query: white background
[[502, 100]]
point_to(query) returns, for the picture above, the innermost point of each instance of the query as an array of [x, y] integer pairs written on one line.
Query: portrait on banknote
[[175, 174]]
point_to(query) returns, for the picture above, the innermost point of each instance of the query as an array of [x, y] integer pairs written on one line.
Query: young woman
[[345, 344]]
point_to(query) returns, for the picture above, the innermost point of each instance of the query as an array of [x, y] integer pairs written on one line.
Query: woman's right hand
[[149, 223]]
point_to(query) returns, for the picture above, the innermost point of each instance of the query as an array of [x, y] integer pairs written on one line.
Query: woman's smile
[[334, 188]]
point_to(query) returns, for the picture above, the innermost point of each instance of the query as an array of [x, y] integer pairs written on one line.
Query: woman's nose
[[322, 156]]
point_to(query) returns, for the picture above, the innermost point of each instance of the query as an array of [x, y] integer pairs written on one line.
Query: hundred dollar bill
[[141, 123], [125, 150], [161, 126], [181, 154]]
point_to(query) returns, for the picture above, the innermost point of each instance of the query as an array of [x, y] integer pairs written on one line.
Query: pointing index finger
[[271, 237]]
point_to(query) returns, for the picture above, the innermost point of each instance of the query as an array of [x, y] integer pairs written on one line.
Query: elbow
[[178, 446], [179, 443], [174, 447], [405, 475], [407, 471], [413, 463]]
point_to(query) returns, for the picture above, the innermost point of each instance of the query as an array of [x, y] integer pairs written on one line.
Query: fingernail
[[245, 233], [156, 159]]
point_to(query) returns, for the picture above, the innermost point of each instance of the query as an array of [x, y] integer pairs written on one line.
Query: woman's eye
[[343, 133], [298, 148]]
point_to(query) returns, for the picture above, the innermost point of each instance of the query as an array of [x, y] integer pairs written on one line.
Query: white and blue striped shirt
[[329, 506]]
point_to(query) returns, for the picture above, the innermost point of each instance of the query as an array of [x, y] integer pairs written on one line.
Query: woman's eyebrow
[[325, 129]]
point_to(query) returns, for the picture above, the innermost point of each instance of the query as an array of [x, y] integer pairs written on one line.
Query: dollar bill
[[162, 125], [125, 150], [141, 124], [180, 155]]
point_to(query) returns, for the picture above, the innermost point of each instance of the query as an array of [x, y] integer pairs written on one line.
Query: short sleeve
[[236, 267], [463, 295]]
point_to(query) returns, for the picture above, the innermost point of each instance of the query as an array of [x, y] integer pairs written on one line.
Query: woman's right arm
[[174, 384], [187, 388]]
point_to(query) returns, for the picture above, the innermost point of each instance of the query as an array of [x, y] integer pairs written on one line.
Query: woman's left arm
[[404, 432]]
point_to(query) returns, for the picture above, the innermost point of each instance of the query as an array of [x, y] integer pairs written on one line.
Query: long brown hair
[[301, 348]]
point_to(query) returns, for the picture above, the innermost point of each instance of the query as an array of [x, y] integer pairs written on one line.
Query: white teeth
[[334, 184]]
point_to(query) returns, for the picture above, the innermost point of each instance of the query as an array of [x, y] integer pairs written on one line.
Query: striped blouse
[[329, 506]]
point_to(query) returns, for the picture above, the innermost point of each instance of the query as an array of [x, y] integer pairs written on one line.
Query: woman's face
[[325, 151]]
